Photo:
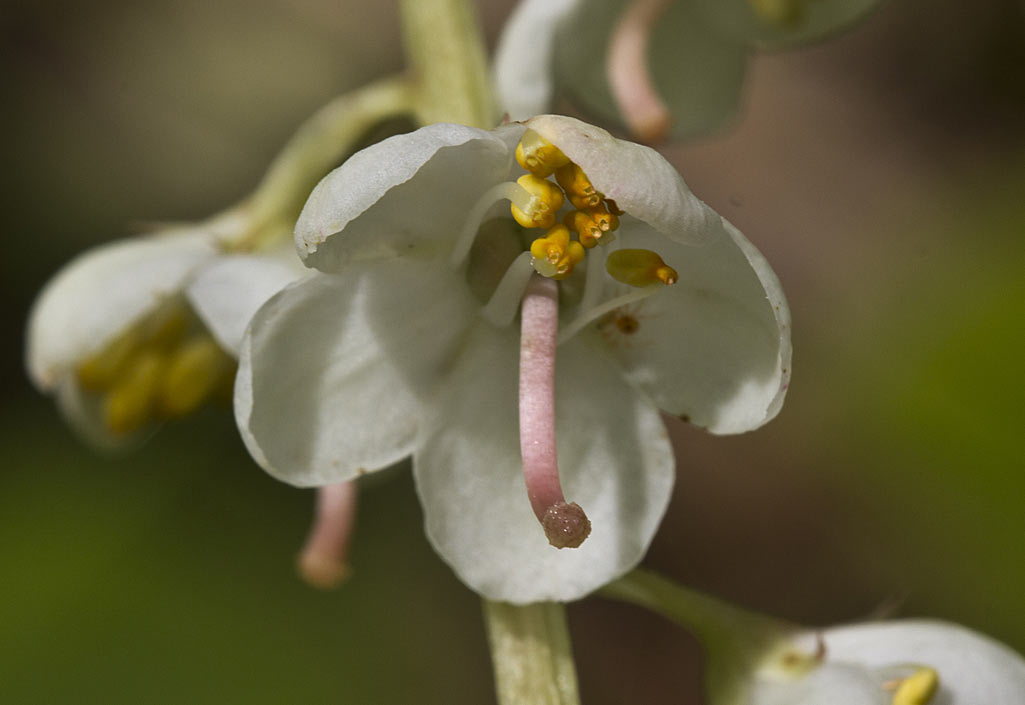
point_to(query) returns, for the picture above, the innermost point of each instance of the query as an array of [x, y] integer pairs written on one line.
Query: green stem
[[317, 147], [736, 641], [531, 653], [446, 51]]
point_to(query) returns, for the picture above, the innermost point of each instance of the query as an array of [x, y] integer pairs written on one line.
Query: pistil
[[323, 561], [629, 73], [565, 524]]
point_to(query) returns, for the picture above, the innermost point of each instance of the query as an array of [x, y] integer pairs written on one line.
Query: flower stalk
[[446, 51], [531, 653], [735, 641]]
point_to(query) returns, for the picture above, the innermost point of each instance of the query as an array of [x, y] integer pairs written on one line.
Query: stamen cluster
[[166, 366], [593, 219]]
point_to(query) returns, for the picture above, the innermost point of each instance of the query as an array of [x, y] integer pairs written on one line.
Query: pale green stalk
[[532, 655], [316, 147], [736, 642], [446, 52]]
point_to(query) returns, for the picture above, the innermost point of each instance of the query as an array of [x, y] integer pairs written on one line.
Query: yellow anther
[[555, 255], [194, 373], [129, 405], [166, 326], [587, 230], [780, 13], [101, 371], [639, 268], [545, 201], [918, 688], [539, 156], [578, 187]]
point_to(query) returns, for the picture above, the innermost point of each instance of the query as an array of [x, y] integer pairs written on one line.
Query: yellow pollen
[[539, 156], [918, 688], [639, 268], [546, 200], [578, 187], [587, 230], [194, 373], [102, 370], [784, 14]]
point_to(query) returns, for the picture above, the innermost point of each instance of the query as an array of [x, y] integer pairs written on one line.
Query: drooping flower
[[658, 66], [407, 344], [893, 663], [138, 331]]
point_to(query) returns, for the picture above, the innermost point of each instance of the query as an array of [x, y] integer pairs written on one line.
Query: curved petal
[[331, 371], [697, 73], [830, 684], [972, 667], [226, 294], [714, 348], [781, 23], [523, 57], [103, 292], [615, 462], [638, 178], [385, 211]]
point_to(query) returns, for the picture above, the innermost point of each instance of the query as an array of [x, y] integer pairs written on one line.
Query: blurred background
[[881, 173]]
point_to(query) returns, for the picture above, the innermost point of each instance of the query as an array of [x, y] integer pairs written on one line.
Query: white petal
[[406, 195], [830, 684], [104, 291], [697, 73], [331, 371], [715, 346], [228, 293], [818, 19], [972, 667], [614, 457], [523, 59], [637, 178]]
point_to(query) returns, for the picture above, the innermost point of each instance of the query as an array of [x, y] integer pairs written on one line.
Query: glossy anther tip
[[566, 525]]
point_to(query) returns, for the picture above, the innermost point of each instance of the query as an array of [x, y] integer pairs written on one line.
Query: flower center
[[166, 366], [554, 254]]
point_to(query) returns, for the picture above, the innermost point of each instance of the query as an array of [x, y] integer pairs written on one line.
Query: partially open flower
[[893, 663], [409, 344], [139, 331], [658, 66]]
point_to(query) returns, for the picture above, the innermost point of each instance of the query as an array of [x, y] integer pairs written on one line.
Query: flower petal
[[226, 294], [713, 348], [103, 292], [797, 21], [385, 211], [972, 667], [523, 59], [697, 74], [615, 462], [638, 178], [829, 684], [331, 371]]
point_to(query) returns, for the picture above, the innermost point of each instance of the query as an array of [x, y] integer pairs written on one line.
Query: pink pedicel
[[566, 525], [629, 74], [323, 561]]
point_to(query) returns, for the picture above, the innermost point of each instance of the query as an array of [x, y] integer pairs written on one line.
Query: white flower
[[895, 663], [655, 65], [139, 330], [407, 345]]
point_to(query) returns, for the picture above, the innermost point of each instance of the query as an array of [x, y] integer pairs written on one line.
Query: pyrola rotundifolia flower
[[659, 66], [893, 663], [142, 330], [414, 342]]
